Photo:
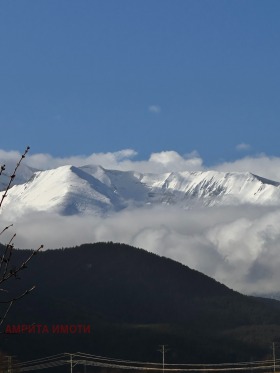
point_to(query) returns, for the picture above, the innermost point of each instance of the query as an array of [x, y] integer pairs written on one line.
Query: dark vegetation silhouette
[[134, 301]]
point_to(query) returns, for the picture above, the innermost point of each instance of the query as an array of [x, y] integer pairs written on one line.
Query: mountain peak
[[93, 189]]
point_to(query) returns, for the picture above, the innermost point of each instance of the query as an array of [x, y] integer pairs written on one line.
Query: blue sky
[[82, 77], [181, 84]]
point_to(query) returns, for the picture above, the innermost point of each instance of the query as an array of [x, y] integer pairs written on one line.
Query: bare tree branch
[[13, 175], [6, 229], [6, 312], [7, 270]]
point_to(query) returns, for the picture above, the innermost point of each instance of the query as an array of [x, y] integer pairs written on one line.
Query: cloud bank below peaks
[[238, 246]]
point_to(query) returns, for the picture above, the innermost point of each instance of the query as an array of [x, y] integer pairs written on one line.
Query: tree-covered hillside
[[134, 300]]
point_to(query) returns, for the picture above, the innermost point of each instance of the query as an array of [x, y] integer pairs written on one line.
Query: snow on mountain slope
[[23, 174], [67, 190], [212, 188], [70, 190]]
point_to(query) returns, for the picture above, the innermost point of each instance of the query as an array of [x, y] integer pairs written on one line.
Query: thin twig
[[2, 169], [13, 175], [19, 296], [21, 267], [6, 229], [6, 313], [6, 258]]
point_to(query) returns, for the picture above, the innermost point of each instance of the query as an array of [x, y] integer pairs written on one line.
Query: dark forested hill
[[134, 300]]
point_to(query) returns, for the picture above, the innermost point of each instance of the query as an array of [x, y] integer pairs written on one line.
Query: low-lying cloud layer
[[239, 246]]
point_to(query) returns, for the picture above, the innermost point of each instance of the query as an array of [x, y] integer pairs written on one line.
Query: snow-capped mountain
[[71, 190]]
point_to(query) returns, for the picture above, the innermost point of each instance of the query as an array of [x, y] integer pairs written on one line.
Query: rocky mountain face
[[70, 190]]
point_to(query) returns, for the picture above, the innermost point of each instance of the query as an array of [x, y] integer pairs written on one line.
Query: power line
[[74, 359]]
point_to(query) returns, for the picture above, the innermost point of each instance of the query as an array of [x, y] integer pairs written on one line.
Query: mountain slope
[[71, 190], [134, 301]]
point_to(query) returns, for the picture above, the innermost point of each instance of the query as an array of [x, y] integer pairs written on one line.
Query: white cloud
[[243, 147], [12, 155], [237, 246], [156, 109], [45, 161], [165, 161], [261, 165], [171, 161]]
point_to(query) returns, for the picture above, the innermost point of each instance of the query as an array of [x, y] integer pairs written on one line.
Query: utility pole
[[71, 363], [163, 350], [274, 345], [273, 353], [9, 363], [85, 366]]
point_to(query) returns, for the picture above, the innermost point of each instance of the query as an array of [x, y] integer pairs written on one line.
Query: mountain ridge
[[92, 189]]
